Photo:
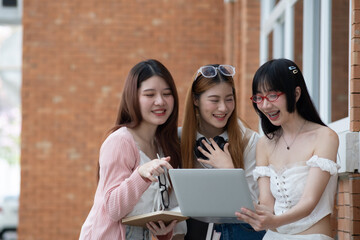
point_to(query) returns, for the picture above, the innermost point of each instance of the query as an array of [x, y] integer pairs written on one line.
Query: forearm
[[299, 211], [265, 197], [268, 202], [122, 199]]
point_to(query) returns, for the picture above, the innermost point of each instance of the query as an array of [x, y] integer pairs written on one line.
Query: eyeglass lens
[[164, 191], [226, 70], [208, 71], [165, 198]]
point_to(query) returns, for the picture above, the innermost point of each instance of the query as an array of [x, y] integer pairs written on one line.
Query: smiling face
[[156, 101], [273, 110], [215, 108]]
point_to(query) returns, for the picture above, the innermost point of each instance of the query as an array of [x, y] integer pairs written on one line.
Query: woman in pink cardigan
[[129, 165]]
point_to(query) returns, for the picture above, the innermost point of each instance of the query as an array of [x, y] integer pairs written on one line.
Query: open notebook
[[165, 215]]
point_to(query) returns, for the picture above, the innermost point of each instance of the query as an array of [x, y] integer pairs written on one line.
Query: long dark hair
[[191, 121], [283, 75], [129, 114]]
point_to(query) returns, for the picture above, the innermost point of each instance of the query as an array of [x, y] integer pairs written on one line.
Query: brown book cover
[[165, 216]]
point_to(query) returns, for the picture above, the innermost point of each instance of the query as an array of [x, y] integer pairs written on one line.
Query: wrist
[[277, 221], [141, 175], [164, 237], [230, 165]]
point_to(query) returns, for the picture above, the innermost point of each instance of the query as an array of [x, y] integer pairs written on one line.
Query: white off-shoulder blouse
[[288, 185]]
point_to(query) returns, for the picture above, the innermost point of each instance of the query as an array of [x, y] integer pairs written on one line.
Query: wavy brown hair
[[191, 122]]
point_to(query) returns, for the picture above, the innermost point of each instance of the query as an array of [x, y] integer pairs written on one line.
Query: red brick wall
[[340, 59], [355, 68], [298, 34], [348, 198], [248, 57], [242, 45]]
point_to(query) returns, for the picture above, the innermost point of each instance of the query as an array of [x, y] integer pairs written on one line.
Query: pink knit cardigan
[[119, 189]]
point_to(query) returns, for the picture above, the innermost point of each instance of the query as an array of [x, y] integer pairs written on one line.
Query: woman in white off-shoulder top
[[296, 165]]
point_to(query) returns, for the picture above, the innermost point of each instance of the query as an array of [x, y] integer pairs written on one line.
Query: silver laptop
[[211, 195]]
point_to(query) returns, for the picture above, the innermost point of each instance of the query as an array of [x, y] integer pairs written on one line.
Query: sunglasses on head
[[211, 71]]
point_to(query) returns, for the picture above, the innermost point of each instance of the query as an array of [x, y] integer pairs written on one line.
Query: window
[[10, 11]]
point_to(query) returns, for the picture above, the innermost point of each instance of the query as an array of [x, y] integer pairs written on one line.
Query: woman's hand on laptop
[[217, 157], [154, 168], [159, 229], [262, 219]]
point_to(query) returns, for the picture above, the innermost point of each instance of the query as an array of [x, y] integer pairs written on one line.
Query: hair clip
[[293, 69]]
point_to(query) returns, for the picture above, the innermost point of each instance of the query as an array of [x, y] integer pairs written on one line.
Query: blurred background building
[[76, 55]]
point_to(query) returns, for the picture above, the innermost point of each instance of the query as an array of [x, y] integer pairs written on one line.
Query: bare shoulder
[[326, 134], [327, 142]]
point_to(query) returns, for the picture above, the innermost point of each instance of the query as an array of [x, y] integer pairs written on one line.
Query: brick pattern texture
[[348, 207], [355, 68], [340, 59], [242, 28]]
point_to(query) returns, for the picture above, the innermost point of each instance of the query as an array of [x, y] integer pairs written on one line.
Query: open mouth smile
[[273, 115], [159, 112], [220, 116]]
